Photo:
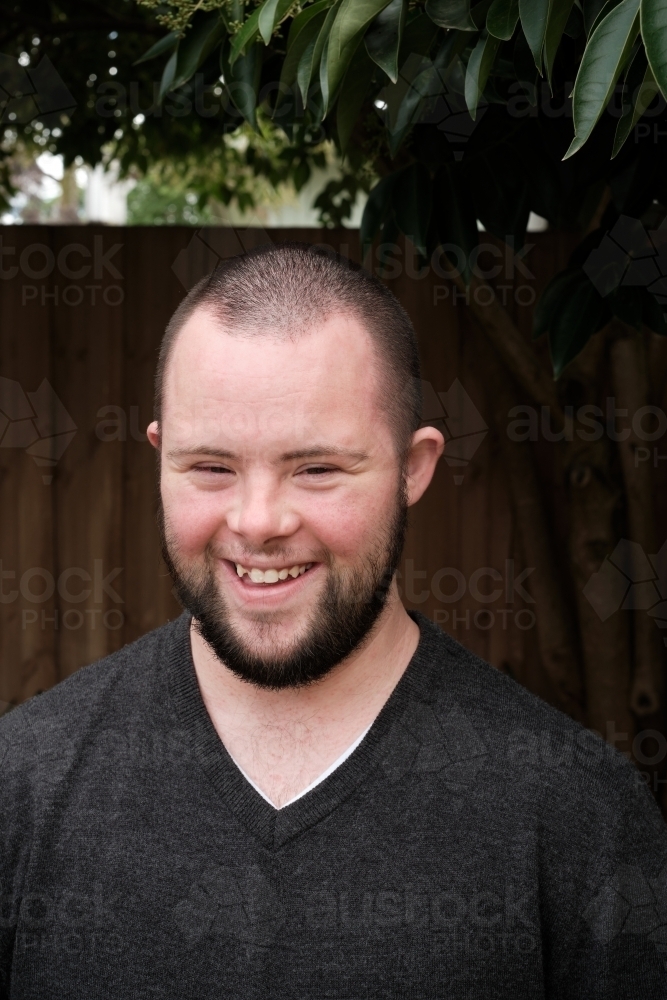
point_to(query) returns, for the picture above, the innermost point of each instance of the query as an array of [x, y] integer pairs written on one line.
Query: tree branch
[[630, 380]]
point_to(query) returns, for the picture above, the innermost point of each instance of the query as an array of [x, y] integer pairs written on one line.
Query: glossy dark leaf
[[301, 40], [640, 89], [205, 33], [419, 87], [582, 313], [502, 18], [553, 298], [606, 55], [605, 9], [164, 45], [312, 56], [168, 75], [559, 13], [412, 204], [654, 33], [477, 73], [242, 81], [383, 38], [352, 95], [349, 26], [451, 14], [534, 15]]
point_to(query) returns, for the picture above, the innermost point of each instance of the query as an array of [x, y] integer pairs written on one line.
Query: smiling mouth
[[272, 576]]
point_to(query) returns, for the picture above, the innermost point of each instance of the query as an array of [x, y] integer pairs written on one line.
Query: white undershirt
[[325, 774]]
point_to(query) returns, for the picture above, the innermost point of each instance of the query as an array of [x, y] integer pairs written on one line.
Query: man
[[297, 789]]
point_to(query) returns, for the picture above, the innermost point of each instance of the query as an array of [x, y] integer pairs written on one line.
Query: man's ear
[[426, 447], [153, 434]]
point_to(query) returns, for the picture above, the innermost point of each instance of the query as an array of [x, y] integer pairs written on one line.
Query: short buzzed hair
[[285, 290]]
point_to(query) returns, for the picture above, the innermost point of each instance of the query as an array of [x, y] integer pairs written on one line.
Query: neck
[[285, 739]]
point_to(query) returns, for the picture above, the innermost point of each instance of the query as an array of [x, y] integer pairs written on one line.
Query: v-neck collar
[[274, 827]]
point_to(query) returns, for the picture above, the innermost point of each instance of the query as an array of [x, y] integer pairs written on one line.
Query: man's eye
[[212, 468], [318, 470]]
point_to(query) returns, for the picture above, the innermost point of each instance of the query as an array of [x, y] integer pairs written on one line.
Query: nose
[[260, 513]]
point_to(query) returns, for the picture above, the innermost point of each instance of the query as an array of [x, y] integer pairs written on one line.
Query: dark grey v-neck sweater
[[476, 844]]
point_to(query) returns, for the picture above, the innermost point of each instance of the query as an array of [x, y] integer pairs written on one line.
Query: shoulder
[[534, 751], [95, 695]]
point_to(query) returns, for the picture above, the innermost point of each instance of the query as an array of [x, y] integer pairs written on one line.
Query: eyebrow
[[317, 451]]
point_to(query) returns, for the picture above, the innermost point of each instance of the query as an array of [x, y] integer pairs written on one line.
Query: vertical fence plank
[[88, 328], [27, 558]]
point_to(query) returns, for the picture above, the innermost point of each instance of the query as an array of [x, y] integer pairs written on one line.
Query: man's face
[[283, 509]]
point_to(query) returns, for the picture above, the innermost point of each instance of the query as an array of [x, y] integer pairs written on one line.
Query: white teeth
[[271, 575]]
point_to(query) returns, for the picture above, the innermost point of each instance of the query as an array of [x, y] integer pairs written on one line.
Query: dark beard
[[342, 622]]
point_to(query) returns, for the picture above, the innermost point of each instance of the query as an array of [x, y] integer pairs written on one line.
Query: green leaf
[[204, 35], [582, 313], [534, 17], [297, 46], [477, 73], [377, 211], [312, 56], [168, 75], [591, 9], [640, 96], [165, 44], [451, 14], [552, 299], [268, 16], [351, 21], [242, 81], [604, 59], [606, 8], [502, 18], [652, 314], [421, 81], [559, 12], [302, 19], [353, 94], [251, 29], [412, 204], [383, 38], [654, 33]]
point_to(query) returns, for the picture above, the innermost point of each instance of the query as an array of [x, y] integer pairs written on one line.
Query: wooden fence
[[82, 311]]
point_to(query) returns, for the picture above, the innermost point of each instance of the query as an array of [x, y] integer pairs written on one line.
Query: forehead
[[261, 386]]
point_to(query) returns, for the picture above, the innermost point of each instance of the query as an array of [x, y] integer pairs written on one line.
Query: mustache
[[280, 553]]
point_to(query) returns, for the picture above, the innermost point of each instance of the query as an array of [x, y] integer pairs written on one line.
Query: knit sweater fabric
[[476, 844]]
